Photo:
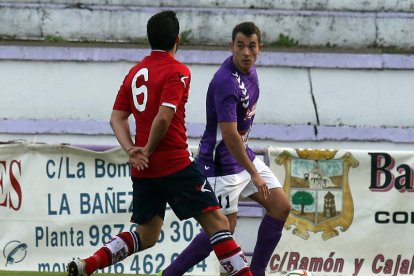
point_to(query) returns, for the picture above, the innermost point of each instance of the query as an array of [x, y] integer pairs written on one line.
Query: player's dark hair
[[162, 30], [246, 28]]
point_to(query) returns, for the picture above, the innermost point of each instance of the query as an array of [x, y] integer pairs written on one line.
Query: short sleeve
[[123, 98], [225, 100], [176, 86]]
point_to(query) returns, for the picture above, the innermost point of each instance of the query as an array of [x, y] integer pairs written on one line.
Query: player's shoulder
[[224, 76], [180, 66], [176, 68], [133, 71]]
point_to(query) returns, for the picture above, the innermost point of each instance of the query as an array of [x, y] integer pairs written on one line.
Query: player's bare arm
[[237, 149], [120, 125], [137, 158], [159, 128]]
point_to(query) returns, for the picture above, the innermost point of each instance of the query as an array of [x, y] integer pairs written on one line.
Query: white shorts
[[230, 188]]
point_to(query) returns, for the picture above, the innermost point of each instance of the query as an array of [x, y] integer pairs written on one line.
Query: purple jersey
[[231, 97]]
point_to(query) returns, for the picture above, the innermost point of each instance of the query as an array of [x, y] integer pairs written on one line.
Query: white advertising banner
[[353, 212], [59, 202]]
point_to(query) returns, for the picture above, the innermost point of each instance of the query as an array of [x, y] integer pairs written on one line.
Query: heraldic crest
[[317, 185]]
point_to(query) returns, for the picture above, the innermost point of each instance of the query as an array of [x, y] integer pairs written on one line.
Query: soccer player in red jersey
[[155, 92]]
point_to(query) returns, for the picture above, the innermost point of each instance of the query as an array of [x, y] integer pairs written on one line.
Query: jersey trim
[[170, 105]]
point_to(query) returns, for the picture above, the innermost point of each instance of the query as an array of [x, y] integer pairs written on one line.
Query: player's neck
[[173, 50], [170, 52]]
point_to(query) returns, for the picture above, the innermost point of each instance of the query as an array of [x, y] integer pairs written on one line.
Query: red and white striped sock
[[230, 255], [117, 249]]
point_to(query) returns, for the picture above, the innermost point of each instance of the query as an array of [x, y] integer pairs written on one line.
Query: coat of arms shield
[[316, 182]]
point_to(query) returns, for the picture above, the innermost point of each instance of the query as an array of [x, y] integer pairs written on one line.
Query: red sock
[[229, 254], [91, 265], [100, 259], [117, 249]]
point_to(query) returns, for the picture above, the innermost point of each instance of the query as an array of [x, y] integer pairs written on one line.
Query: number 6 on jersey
[[137, 91]]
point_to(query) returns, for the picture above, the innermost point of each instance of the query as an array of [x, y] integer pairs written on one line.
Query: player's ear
[[178, 39], [231, 46]]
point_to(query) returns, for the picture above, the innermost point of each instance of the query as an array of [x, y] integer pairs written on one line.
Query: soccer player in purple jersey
[[225, 158]]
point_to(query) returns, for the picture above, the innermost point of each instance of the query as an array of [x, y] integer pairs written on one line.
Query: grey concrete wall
[[351, 24], [325, 95], [349, 95], [332, 5], [306, 97]]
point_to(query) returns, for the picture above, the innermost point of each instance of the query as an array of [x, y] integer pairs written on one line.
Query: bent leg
[[199, 249], [230, 255], [270, 230], [124, 244]]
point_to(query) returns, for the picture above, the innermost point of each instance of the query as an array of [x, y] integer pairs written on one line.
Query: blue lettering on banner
[[140, 264], [64, 238], [153, 263], [110, 202], [62, 206], [97, 235], [65, 168], [54, 267], [104, 168]]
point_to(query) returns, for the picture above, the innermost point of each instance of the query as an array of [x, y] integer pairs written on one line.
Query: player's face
[[245, 51]]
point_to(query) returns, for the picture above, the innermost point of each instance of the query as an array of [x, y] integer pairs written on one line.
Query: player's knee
[[223, 222], [232, 224], [213, 222], [152, 243], [280, 211], [285, 210], [148, 242]]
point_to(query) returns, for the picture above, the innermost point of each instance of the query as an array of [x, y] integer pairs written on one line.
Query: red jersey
[[159, 79]]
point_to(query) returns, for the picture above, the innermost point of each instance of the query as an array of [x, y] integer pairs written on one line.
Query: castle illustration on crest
[[318, 187]]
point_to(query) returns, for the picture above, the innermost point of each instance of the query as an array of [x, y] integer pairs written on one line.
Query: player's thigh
[[228, 189], [277, 204], [146, 200], [189, 194], [269, 177]]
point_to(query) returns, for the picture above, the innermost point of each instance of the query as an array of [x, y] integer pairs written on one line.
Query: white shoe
[[76, 268]]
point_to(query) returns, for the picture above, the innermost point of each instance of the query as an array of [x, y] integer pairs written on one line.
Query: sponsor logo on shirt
[[250, 112], [245, 98], [201, 187], [182, 79]]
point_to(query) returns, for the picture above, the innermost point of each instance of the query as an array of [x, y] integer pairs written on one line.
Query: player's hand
[[138, 158], [261, 185]]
